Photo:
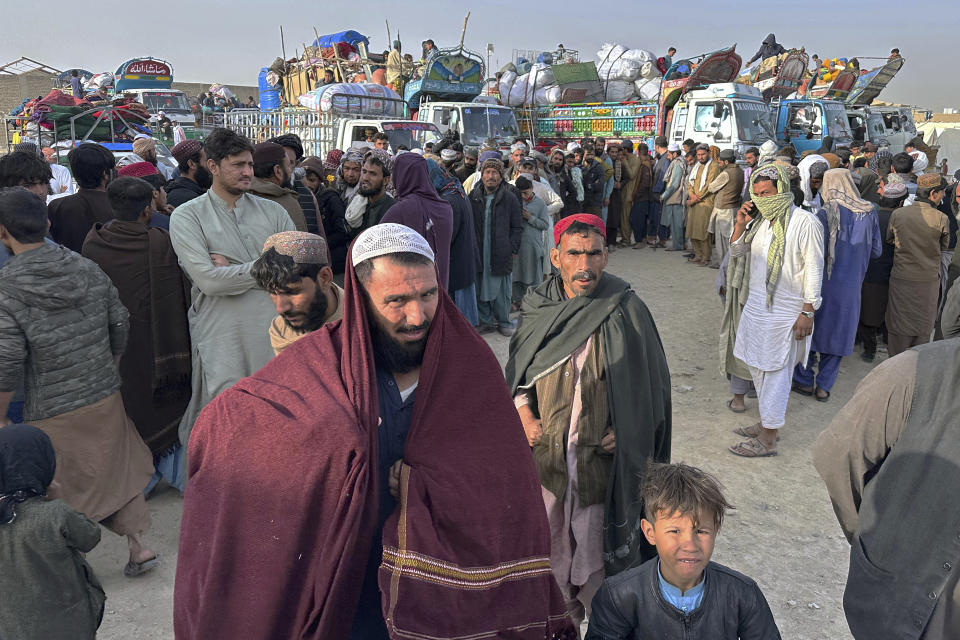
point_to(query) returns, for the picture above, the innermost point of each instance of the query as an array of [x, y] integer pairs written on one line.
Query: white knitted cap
[[387, 238]]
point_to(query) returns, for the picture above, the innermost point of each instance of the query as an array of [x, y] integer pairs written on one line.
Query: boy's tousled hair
[[669, 489]]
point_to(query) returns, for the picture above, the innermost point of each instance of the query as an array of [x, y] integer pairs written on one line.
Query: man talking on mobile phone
[[777, 257]]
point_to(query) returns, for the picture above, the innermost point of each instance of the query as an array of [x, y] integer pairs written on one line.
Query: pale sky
[[230, 41]]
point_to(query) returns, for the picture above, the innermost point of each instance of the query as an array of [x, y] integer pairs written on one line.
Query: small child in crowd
[[681, 594], [47, 590]]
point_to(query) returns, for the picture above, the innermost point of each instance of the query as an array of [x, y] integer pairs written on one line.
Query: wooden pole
[[283, 48], [463, 35], [336, 55]]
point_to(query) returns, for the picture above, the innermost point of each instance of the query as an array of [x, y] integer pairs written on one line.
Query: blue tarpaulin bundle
[[352, 38]]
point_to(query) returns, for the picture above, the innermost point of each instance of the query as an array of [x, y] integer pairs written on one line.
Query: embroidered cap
[[303, 247]]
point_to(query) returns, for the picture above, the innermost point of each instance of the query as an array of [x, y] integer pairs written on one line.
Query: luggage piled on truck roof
[[627, 74]]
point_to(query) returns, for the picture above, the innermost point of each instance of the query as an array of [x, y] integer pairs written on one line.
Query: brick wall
[[14, 89]]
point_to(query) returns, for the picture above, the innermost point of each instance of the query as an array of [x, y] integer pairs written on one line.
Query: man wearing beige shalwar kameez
[[217, 238], [701, 204]]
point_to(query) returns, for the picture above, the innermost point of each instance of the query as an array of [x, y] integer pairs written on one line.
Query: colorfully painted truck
[[151, 81], [448, 95], [698, 101]]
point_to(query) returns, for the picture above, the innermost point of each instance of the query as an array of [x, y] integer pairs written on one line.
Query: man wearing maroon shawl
[[419, 207], [345, 490]]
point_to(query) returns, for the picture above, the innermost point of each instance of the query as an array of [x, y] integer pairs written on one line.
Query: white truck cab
[[890, 127], [322, 132], [474, 121], [172, 102], [726, 115]]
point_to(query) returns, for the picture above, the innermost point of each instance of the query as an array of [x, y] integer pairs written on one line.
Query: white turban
[[388, 238], [448, 154]]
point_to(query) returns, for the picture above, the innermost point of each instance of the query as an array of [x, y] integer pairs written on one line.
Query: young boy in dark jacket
[[681, 594]]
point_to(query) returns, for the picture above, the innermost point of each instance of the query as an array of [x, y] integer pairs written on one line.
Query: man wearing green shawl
[[591, 385], [776, 258]]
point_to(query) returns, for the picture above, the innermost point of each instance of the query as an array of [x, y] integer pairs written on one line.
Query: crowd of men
[[295, 341]]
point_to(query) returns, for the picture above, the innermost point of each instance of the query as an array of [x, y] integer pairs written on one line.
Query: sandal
[[134, 569], [751, 431], [804, 392], [822, 398], [752, 448], [730, 406]]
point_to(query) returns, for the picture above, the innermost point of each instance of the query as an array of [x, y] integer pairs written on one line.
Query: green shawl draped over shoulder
[[638, 384]]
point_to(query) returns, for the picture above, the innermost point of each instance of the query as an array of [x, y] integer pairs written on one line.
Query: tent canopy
[[352, 38]]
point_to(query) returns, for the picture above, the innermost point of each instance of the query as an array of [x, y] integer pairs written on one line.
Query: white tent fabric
[[946, 135]]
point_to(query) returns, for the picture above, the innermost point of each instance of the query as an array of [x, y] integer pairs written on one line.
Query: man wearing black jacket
[[194, 178], [593, 183], [499, 228]]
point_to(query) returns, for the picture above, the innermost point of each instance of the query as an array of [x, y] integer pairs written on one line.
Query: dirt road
[[783, 532]]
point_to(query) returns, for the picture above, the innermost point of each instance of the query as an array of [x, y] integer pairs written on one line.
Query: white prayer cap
[[387, 238], [448, 154], [573, 146], [673, 147]]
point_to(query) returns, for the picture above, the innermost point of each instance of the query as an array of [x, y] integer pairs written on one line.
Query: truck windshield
[[906, 119], [836, 116], [166, 101], [481, 122], [753, 121], [409, 134]]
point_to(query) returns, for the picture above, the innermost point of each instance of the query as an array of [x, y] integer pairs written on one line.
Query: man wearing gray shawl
[[890, 457]]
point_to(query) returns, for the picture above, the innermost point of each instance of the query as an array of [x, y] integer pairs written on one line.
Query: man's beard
[[705, 161], [370, 191], [396, 357], [315, 316], [203, 178], [583, 276]]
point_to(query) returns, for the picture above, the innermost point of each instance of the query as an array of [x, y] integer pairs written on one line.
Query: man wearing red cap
[[589, 378]]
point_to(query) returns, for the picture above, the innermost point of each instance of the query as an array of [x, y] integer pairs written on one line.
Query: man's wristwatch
[[809, 314]]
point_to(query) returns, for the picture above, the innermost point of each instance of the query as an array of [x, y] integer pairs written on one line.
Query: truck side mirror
[[717, 110]]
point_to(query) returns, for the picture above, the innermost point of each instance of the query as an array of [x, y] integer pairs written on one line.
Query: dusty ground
[[783, 532]]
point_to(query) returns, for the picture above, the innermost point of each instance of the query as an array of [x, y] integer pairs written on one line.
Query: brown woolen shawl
[[281, 504]]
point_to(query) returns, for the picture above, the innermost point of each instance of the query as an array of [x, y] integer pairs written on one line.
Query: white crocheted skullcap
[[388, 238]]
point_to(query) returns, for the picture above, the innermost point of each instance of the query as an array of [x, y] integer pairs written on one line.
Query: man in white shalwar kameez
[[217, 237], [780, 257]]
